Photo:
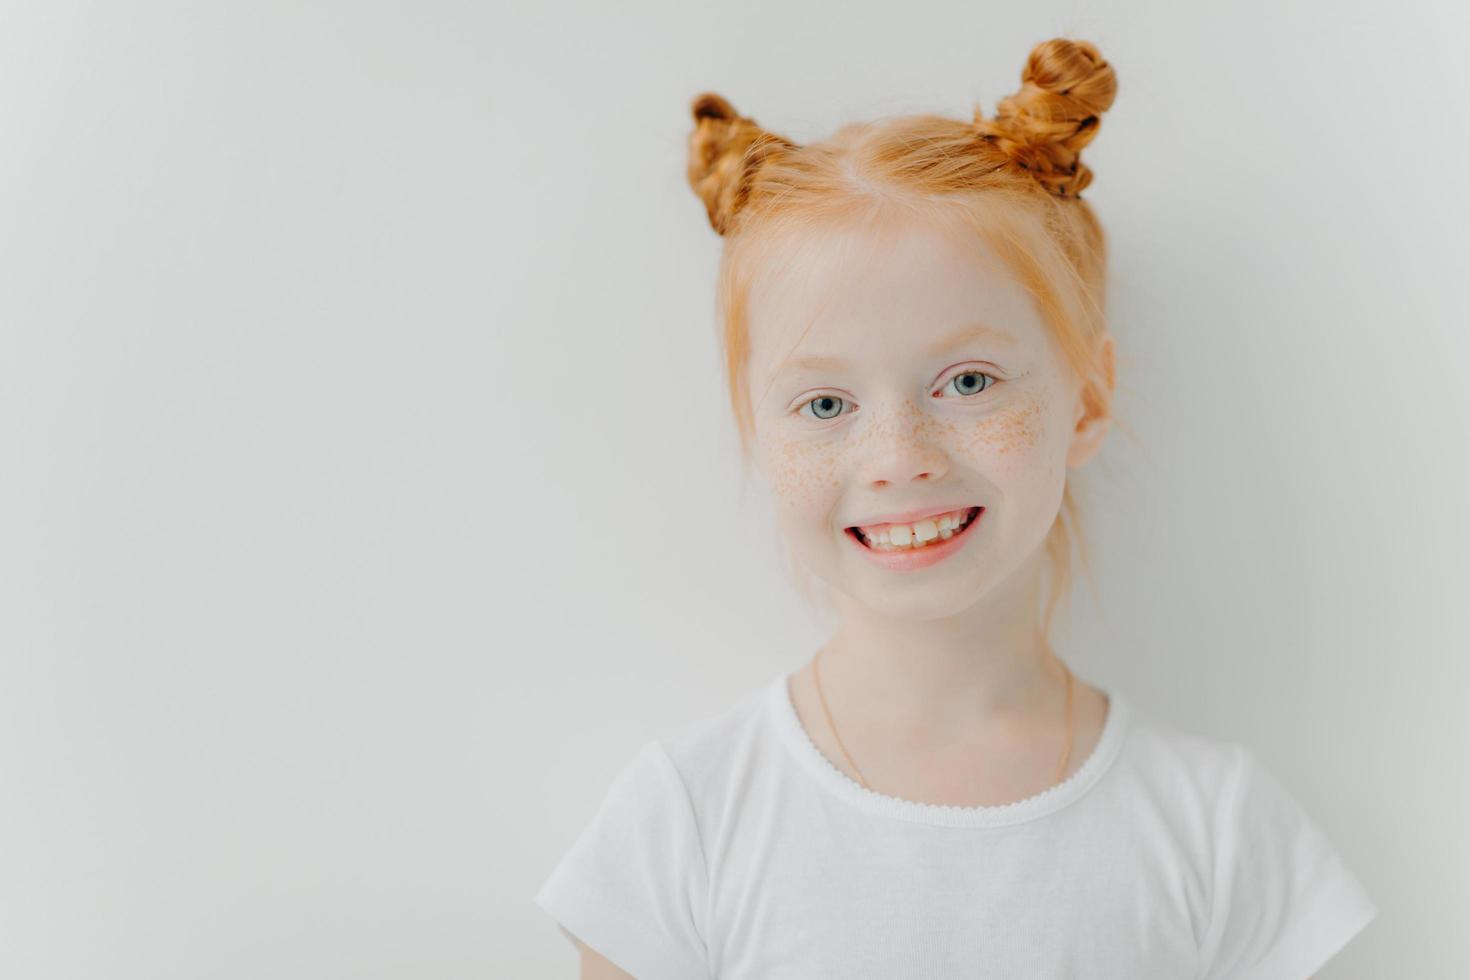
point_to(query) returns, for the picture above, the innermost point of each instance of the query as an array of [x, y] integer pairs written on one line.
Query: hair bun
[[1065, 87], [725, 150]]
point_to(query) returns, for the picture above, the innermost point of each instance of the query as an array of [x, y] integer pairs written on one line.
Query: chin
[[920, 602], [923, 608]]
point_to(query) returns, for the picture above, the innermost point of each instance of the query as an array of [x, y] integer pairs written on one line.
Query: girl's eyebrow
[[813, 364], [965, 335], [969, 334]]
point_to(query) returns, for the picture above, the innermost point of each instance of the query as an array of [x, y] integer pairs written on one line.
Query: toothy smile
[[918, 535]]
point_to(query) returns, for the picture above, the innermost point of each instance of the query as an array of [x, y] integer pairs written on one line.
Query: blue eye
[[827, 403], [824, 408], [973, 374]]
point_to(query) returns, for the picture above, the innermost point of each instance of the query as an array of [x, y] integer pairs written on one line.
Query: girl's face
[[927, 381]]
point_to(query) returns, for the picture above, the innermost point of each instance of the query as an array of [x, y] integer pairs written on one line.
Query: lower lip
[[913, 559]]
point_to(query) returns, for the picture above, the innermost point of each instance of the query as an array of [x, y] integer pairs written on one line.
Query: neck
[[947, 678]]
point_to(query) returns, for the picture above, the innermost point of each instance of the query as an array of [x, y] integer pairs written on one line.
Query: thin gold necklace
[[817, 675]]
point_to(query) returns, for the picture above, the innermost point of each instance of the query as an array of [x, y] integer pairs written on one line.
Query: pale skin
[[594, 965], [939, 680]]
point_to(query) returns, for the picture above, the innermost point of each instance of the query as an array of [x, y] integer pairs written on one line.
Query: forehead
[[889, 291]]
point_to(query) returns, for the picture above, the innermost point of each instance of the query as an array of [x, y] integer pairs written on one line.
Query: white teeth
[[906, 537]]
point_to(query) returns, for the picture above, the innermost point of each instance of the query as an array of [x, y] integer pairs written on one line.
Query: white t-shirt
[[738, 851]]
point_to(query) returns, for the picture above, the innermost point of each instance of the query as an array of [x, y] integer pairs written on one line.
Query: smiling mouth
[[912, 541]]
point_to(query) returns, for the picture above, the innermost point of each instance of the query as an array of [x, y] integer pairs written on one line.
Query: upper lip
[[909, 516]]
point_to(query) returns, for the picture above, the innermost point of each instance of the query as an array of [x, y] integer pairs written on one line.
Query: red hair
[[1014, 180]]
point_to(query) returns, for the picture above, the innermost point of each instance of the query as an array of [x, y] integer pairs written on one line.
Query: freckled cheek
[[1010, 441], [803, 476]]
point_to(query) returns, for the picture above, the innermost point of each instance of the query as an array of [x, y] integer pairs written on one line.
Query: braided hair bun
[[725, 149], [1065, 87], [1037, 131]]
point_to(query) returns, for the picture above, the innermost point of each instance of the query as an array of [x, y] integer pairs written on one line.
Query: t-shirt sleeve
[[1283, 902], [633, 885]]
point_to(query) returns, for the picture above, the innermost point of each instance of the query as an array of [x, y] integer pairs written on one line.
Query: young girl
[[916, 357]]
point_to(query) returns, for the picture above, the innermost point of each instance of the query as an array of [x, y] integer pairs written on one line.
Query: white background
[[369, 493]]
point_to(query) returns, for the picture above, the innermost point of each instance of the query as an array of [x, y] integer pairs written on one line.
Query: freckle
[[1015, 429], [803, 471]]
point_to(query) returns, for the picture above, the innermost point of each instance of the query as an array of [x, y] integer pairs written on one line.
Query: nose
[[902, 447]]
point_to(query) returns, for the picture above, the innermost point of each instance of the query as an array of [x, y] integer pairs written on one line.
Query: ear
[[1092, 424]]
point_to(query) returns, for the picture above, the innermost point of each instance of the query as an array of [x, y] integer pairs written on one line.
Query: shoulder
[[632, 886], [713, 754], [1225, 776], [1177, 765], [713, 743], [680, 771], [1183, 786], [1280, 897]]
